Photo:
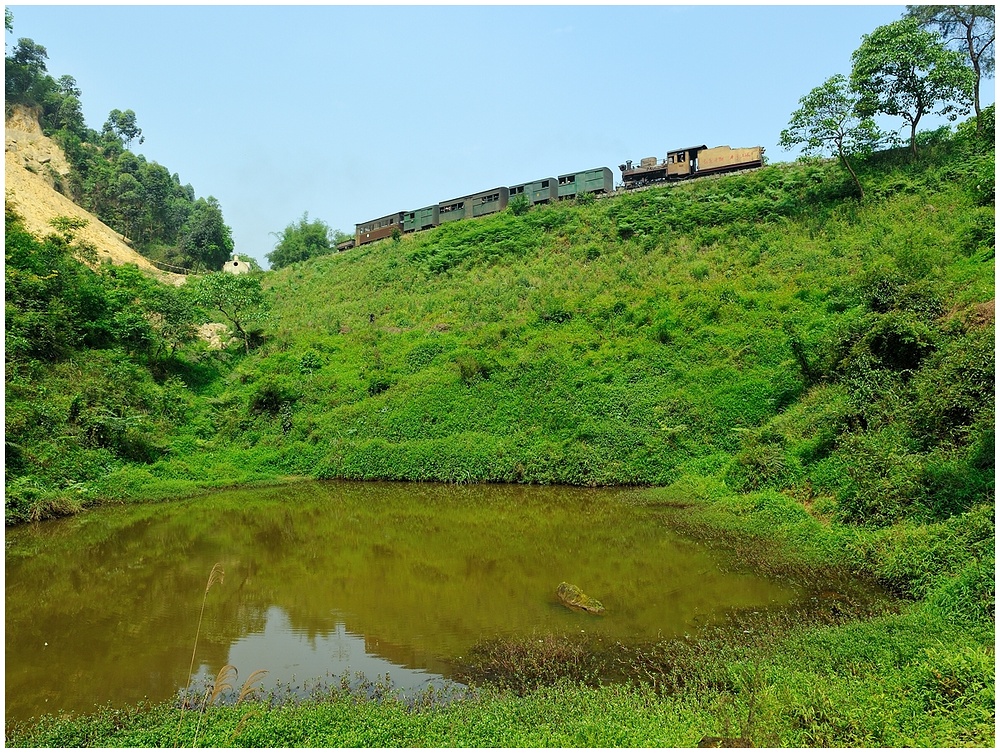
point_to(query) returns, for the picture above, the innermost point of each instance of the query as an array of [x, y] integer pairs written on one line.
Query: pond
[[326, 578]]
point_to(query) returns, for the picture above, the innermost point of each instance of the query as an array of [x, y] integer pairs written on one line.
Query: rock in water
[[573, 597]]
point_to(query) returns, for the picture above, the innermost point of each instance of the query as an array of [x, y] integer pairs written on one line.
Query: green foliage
[[827, 121], [487, 239], [901, 70], [53, 304], [91, 358], [471, 369], [67, 225], [303, 240], [206, 242], [955, 390], [239, 298], [122, 126], [519, 205], [971, 29], [760, 463]]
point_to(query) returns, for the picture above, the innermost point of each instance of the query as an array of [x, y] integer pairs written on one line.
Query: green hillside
[[764, 329], [786, 363]]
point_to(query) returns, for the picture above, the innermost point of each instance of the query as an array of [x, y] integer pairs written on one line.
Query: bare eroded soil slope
[[33, 165]]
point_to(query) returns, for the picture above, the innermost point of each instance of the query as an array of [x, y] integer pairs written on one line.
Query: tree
[[123, 126], [971, 28], [68, 87], [158, 188], [302, 240], [827, 120], [902, 70], [206, 240], [239, 298], [129, 201], [157, 318], [69, 115], [25, 77]]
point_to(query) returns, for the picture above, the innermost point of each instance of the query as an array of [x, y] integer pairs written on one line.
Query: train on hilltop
[[679, 164]]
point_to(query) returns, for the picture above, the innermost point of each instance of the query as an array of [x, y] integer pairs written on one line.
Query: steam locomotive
[[693, 161], [679, 164]]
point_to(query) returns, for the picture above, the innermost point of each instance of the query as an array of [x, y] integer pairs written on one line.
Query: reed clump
[[523, 664], [222, 687]]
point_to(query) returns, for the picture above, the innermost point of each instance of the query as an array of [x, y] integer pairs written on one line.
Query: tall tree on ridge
[[900, 69], [969, 27]]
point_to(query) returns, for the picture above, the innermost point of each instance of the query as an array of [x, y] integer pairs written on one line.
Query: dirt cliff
[[34, 166]]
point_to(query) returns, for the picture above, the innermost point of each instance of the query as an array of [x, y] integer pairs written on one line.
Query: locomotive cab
[[682, 163]]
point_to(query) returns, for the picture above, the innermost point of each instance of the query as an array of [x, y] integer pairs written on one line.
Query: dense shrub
[[93, 358], [760, 463], [955, 388]]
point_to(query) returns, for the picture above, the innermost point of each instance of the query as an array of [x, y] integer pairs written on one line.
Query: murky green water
[[323, 578]]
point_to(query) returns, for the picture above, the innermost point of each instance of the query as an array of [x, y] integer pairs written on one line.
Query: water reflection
[[381, 578], [295, 659]]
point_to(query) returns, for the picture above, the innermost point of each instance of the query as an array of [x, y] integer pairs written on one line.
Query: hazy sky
[[353, 112]]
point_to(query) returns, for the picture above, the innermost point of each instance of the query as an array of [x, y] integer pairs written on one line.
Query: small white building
[[236, 266]]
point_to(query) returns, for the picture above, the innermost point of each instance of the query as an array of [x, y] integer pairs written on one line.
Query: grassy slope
[[706, 338], [545, 348]]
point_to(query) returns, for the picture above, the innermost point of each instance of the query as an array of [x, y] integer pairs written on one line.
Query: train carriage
[[474, 205], [598, 180], [489, 202], [453, 209], [420, 219], [374, 230], [541, 191]]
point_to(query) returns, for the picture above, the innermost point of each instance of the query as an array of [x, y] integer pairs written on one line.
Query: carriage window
[[545, 184]]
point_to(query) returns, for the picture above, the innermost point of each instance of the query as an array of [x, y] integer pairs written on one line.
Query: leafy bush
[[471, 369], [955, 388], [518, 206], [884, 478], [271, 396], [760, 463]]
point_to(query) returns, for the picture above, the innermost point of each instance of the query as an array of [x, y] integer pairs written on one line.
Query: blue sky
[[352, 112]]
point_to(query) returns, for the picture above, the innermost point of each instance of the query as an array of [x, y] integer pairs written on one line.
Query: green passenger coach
[[598, 180], [475, 205], [420, 219], [542, 191]]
